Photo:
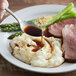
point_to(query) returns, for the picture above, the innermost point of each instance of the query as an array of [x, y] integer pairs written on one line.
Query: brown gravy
[[46, 33], [49, 44], [39, 45], [32, 30]]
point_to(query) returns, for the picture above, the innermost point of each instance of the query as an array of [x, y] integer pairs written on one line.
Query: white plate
[[28, 14]]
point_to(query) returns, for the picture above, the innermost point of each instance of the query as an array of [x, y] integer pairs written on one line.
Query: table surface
[[7, 69]]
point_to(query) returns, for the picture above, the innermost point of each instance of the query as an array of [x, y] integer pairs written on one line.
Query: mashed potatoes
[[37, 51]]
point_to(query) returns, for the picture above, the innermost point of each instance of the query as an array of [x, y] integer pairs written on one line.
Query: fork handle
[[15, 16]]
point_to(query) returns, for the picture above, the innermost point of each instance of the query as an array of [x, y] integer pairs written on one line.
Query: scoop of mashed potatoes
[[38, 51]]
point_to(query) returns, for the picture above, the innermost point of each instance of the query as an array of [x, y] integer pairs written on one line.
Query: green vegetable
[[11, 29], [66, 13], [59, 15], [9, 25], [33, 20], [67, 16], [42, 20], [15, 35], [69, 12]]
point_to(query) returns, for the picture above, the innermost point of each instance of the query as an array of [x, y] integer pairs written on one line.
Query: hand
[[3, 5]]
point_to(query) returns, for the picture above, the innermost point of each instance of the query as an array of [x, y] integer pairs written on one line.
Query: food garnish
[[15, 35], [10, 27]]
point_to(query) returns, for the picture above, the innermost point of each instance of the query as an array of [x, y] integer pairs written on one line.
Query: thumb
[[2, 13]]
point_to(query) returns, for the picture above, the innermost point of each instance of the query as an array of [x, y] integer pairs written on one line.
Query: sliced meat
[[69, 42], [56, 29], [70, 60]]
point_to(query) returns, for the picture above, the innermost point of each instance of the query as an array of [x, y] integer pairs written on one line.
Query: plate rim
[[35, 69]]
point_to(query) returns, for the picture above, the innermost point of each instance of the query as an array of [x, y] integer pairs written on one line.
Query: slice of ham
[[56, 28], [69, 42]]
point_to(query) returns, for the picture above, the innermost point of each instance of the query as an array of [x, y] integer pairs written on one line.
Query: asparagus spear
[[67, 16], [15, 35], [40, 21], [9, 25], [33, 20], [11, 29], [59, 15], [69, 12]]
